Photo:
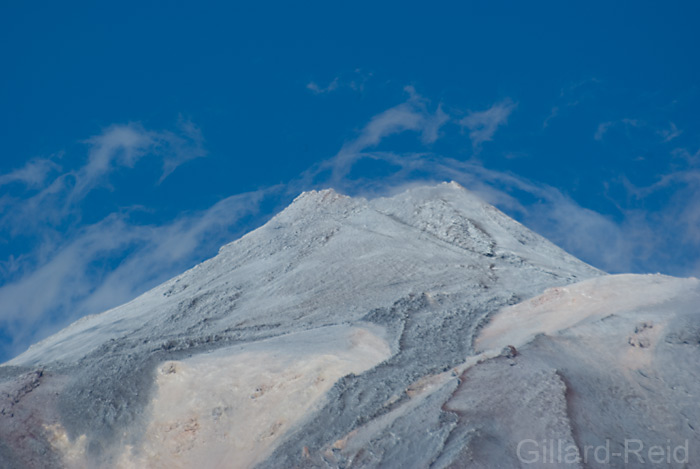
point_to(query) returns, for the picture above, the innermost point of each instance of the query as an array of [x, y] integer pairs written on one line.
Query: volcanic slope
[[345, 332]]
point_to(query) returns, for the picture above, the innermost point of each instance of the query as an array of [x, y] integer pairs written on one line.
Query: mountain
[[427, 329]]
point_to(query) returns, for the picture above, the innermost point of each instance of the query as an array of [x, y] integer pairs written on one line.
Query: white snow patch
[[561, 308], [229, 408]]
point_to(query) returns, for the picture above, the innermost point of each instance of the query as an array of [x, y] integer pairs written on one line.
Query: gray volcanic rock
[[352, 333]]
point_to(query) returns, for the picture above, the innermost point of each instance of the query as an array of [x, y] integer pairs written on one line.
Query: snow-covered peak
[[327, 249], [338, 310], [318, 196]]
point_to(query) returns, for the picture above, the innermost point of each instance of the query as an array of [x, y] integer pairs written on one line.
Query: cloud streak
[[414, 115], [482, 125], [32, 175], [671, 133], [355, 81], [667, 134], [117, 147], [316, 89]]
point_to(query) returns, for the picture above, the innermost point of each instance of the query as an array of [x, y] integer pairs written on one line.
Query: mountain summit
[[427, 329]]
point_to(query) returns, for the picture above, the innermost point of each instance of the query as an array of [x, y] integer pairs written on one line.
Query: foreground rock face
[[423, 330]]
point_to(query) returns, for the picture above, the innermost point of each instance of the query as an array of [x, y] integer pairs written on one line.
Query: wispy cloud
[[119, 146], [602, 129], [355, 80], [124, 145], [32, 175], [315, 88], [670, 133], [571, 96], [552, 114], [412, 115], [482, 125], [692, 159]]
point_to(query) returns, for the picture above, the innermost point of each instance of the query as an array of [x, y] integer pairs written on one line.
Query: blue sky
[[138, 137]]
